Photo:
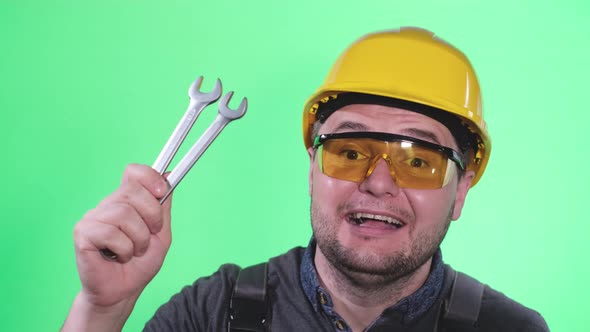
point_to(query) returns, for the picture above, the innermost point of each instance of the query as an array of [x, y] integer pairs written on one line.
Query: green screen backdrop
[[87, 87]]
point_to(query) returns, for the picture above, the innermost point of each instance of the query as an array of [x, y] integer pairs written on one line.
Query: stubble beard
[[373, 271]]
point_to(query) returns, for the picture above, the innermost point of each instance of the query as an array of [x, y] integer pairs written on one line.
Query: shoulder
[[201, 306], [287, 262], [499, 312]]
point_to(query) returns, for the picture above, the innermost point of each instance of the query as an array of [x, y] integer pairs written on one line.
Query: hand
[[132, 224]]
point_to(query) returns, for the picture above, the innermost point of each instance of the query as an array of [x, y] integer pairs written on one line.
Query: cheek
[[329, 193], [431, 205]]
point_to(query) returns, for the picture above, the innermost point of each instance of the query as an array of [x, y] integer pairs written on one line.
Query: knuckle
[[89, 215], [130, 173], [125, 256], [132, 168], [125, 195], [78, 232], [128, 250], [135, 171], [110, 232], [143, 244], [140, 230], [123, 211], [81, 227], [153, 214]]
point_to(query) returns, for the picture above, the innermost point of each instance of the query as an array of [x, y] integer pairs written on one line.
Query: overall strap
[[248, 306], [249, 301], [462, 307]]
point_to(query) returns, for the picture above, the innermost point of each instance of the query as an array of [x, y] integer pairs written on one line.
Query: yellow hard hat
[[409, 64]]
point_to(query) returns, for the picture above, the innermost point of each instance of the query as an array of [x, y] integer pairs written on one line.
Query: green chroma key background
[[88, 87]]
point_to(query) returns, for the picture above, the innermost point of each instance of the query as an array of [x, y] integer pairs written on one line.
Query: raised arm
[[132, 224]]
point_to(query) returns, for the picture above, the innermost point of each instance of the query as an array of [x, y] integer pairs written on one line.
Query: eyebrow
[[422, 134], [351, 125], [413, 132]]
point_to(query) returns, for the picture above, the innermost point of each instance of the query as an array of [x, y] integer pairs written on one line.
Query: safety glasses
[[413, 163]]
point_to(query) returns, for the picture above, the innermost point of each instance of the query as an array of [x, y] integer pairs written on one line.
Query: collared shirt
[[404, 312]]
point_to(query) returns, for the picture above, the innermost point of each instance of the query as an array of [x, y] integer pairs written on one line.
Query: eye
[[417, 163], [352, 155]]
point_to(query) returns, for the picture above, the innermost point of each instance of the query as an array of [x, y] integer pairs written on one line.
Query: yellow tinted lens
[[417, 167], [411, 165], [347, 159]]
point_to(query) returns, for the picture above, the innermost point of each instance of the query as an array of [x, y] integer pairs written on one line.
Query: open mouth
[[360, 218]]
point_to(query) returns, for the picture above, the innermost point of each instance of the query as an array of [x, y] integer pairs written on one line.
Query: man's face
[[375, 250]]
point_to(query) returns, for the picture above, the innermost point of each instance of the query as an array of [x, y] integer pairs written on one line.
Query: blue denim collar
[[408, 309]]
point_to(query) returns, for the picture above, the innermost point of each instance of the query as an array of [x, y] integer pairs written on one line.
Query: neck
[[361, 302]]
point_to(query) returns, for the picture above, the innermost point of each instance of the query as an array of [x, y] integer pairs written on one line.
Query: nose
[[381, 181]]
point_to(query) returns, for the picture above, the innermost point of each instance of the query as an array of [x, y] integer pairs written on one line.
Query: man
[[396, 139]]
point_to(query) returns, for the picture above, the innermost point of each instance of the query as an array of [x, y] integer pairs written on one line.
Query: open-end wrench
[[224, 116], [198, 101]]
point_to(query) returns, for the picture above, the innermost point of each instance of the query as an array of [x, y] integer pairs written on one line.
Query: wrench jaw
[[225, 115], [198, 101], [227, 112], [194, 92]]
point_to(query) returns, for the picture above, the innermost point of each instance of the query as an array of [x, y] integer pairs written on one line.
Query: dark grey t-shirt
[[204, 306]]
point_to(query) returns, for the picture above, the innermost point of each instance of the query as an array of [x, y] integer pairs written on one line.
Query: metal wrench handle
[[224, 117]]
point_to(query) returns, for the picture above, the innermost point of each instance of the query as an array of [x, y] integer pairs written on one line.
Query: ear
[[462, 189], [311, 153]]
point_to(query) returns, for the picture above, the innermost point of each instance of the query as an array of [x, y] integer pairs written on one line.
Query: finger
[[147, 177], [95, 236], [165, 233], [144, 202], [125, 218], [137, 191]]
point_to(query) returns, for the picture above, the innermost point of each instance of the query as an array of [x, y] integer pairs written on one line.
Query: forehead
[[389, 120]]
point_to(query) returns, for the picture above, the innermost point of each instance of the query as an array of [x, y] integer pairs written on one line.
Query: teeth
[[360, 216]]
